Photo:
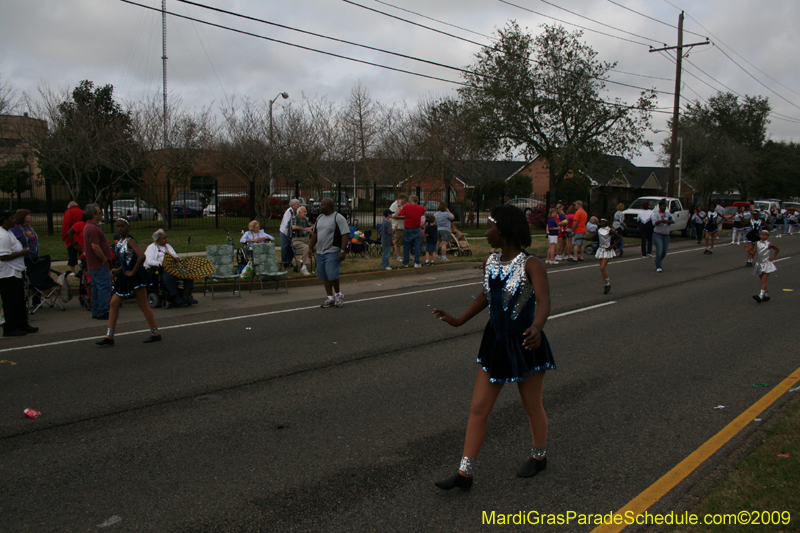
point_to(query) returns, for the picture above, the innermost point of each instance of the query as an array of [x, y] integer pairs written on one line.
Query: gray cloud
[[61, 43]]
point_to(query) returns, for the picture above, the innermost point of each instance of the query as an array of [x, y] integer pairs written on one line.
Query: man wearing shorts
[[331, 250], [578, 242], [398, 225]]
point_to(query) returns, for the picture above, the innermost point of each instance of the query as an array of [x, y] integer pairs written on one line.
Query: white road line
[[217, 320], [256, 315]]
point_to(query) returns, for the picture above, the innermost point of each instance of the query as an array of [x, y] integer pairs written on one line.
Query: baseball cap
[[387, 212]]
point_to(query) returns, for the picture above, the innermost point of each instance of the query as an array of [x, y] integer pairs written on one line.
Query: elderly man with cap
[[301, 236], [287, 253], [12, 287]]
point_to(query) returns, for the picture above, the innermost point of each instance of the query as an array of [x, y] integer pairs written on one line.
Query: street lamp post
[[284, 95]]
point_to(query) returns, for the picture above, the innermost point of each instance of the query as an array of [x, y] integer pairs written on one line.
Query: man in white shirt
[[398, 225], [287, 253]]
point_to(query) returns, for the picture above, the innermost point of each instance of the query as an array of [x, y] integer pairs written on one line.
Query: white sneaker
[[417, 265], [338, 300], [305, 272], [388, 268], [444, 258], [399, 259], [659, 270]]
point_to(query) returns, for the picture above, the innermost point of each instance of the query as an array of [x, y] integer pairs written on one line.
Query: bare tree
[[398, 146], [190, 137], [9, 98], [359, 118]]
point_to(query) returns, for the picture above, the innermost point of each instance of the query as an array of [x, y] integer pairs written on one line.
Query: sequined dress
[[512, 307], [126, 285], [762, 263], [603, 243]]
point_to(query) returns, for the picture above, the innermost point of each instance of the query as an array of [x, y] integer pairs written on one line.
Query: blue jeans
[[287, 252], [411, 237], [171, 283], [662, 245], [101, 290], [387, 253]]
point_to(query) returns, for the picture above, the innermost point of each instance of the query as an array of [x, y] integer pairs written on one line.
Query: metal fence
[[232, 207]]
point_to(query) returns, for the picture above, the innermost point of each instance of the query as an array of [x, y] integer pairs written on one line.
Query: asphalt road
[[309, 419]]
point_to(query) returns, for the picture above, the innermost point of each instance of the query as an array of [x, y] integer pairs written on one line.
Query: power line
[[435, 20], [654, 19], [384, 51], [598, 22], [295, 45], [463, 84], [740, 66], [576, 25]]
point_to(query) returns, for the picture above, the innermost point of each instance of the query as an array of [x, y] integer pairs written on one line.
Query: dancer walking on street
[[514, 347]]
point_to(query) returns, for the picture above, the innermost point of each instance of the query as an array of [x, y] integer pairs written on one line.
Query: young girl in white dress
[[764, 266], [607, 239]]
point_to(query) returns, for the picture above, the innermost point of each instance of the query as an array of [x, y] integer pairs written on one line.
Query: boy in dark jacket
[[431, 239]]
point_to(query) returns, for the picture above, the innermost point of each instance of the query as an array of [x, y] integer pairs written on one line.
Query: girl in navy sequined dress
[[130, 278], [514, 348]]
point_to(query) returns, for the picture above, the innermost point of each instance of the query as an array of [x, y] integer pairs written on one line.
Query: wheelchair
[[157, 292]]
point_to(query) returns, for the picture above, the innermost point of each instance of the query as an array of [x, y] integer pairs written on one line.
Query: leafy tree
[[14, 174], [778, 172], [543, 96], [722, 142], [90, 146]]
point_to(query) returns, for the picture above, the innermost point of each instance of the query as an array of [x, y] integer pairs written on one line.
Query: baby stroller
[[459, 243], [85, 287]]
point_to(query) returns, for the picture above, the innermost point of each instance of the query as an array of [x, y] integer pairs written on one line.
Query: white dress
[[762, 263], [604, 241]]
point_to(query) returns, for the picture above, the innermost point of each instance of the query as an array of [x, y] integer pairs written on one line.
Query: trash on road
[[788, 290], [719, 407], [7, 362], [756, 420], [111, 521], [782, 455], [759, 385], [248, 328], [31, 413], [794, 389]]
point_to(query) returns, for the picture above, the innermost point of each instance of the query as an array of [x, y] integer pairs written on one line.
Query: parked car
[[727, 217], [195, 196], [344, 200], [525, 204], [187, 209], [767, 205], [211, 209], [674, 206], [133, 209], [431, 206]]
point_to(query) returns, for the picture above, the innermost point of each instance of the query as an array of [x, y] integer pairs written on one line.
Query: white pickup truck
[[674, 206]]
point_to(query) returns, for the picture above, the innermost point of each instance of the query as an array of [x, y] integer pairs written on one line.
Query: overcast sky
[[61, 42]]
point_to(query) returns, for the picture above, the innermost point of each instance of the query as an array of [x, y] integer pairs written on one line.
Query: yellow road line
[[660, 488]]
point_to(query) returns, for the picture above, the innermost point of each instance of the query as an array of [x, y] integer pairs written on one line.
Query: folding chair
[[41, 285], [221, 256], [265, 263]]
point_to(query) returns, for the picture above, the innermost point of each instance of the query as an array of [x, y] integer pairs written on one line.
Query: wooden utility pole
[[673, 153]]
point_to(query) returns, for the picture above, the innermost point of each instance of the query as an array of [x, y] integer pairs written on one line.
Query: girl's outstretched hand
[[445, 316], [531, 338]]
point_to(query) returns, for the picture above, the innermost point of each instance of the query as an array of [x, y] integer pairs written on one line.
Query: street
[[288, 417]]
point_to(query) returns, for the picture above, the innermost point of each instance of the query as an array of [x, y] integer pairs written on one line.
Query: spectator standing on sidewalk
[[444, 219], [412, 215], [331, 233], [26, 235], [98, 254], [431, 239], [301, 236], [72, 215], [398, 226], [386, 239], [12, 287], [287, 252], [578, 242], [662, 220]]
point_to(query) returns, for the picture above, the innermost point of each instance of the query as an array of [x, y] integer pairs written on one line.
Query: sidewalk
[[302, 292]]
